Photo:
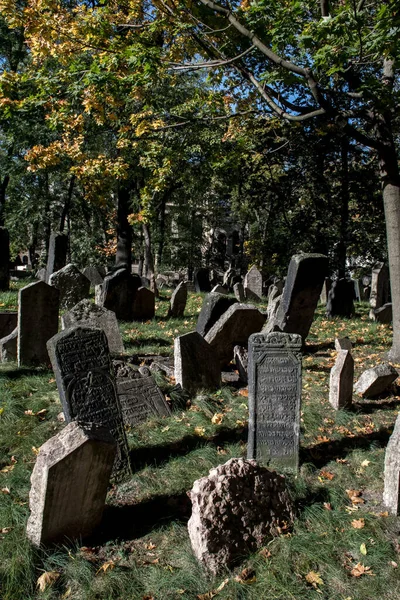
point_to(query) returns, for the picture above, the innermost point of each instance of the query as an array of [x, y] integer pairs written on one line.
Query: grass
[[343, 544]]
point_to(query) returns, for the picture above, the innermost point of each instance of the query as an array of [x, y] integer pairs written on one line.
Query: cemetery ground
[[343, 545]]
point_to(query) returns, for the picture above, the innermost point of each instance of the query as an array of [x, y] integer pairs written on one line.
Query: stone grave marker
[[341, 299], [384, 314], [274, 399], [178, 301], [376, 380], [250, 296], [144, 305], [326, 286], [253, 281], [238, 290], [8, 322], [227, 278], [57, 256], [41, 274], [380, 286], [86, 384], [117, 293], [4, 259], [219, 289], [87, 314], [214, 305], [69, 484], [8, 346], [202, 280], [241, 361], [391, 494], [343, 343], [94, 274], [341, 381], [196, 364], [38, 305], [305, 277], [73, 285]]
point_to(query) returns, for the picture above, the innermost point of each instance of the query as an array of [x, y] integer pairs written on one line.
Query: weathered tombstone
[[144, 305], [357, 290], [341, 381], [391, 494], [227, 278], [238, 290], [306, 274], [253, 281], [117, 293], [94, 275], [41, 274], [219, 289], [140, 398], [69, 484], [57, 256], [8, 346], [178, 301], [274, 399], [343, 343], [4, 259], [234, 328], [273, 306], [72, 284], [376, 380], [38, 305], [86, 384], [241, 360], [8, 322], [380, 286], [235, 510], [340, 299], [196, 364], [214, 305], [87, 314], [250, 296], [202, 280], [384, 314]]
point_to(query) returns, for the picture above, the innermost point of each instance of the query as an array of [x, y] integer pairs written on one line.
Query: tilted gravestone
[[94, 274], [384, 314], [8, 322], [306, 274], [274, 373], [196, 364], [214, 305], [57, 256], [219, 289], [326, 286], [380, 286], [241, 360], [341, 381], [144, 305], [253, 281], [86, 384], [69, 484], [376, 380], [343, 343], [73, 285], [178, 301], [238, 290], [391, 494], [8, 346], [340, 299], [117, 293], [38, 305], [4, 259], [87, 314], [202, 280]]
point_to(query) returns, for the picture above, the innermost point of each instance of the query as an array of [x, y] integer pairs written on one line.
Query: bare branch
[[211, 63]]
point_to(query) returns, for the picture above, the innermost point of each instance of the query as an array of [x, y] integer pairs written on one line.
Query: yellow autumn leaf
[[47, 579], [358, 523], [200, 431], [217, 418], [107, 566], [363, 549], [360, 570], [314, 579]]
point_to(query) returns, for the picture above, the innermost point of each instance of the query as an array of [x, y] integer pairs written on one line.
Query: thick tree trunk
[[344, 208], [123, 256], [3, 189], [67, 204], [148, 252], [161, 242]]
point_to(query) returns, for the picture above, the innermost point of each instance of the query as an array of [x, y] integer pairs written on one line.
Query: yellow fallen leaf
[[200, 431], [66, 594], [360, 570], [365, 463], [150, 546], [165, 428], [7, 469], [363, 549], [47, 579], [5, 490], [217, 418], [209, 595], [314, 579], [5, 530], [244, 392], [35, 450], [107, 566], [358, 523]]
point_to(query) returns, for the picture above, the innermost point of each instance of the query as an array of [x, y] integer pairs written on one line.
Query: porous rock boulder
[[235, 509]]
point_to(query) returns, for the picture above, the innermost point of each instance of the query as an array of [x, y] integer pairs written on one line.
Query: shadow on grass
[[321, 454], [313, 348], [17, 373], [380, 403], [150, 341], [162, 453]]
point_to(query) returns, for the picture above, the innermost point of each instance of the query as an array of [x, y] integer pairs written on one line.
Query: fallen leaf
[[7, 469], [265, 553], [66, 594], [365, 463], [394, 564], [247, 576], [314, 579], [221, 450], [217, 418], [354, 496], [244, 392], [327, 506], [5, 530], [360, 569], [358, 523], [35, 450], [200, 431], [327, 475], [165, 429], [150, 546], [5, 490], [107, 566], [209, 595], [47, 579], [384, 514], [363, 549]]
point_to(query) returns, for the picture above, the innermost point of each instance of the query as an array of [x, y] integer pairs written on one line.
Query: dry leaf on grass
[[265, 553], [327, 506], [314, 579], [360, 570], [200, 431], [47, 579], [326, 475], [5, 490], [209, 595], [354, 496], [107, 566], [247, 576], [363, 549], [217, 418], [244, 392], [358, 523]]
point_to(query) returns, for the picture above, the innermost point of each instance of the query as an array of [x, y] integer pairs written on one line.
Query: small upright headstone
[[228, 276], [8, 346], [253, 281], [219, 289], [341, 299], [202, 280], [38, 305], [391, 494], [196, 364], [241, 360], [8, 322], [69, 484], [73, 285], [326, 286], [57, 256], [274, 399], [380, 286], [94, 275], [376, 380], [87, 314], [178, 301], [86, 384], [117, 293], [343, 343], [341, 381], [41, 274], [214, 305], [384, 314], [4, 259], [250, 296], [238, 290], [144, 305]]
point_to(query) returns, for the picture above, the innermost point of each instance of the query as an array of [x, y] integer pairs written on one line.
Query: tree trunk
[[161, 242], [148, 253], [123, 257], [344, 208], [3, 189], [67, 204]]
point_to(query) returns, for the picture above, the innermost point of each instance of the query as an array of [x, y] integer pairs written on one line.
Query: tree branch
[[211, 63]]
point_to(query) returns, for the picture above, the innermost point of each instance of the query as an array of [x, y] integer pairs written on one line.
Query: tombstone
[[253, 281], [241, 360], [87, 314], [341, 381], [306, 274], [196, 364], [8, 347], [236, 509], [86, 384], [4, 259], [57, 256], [384, 314], [234, 328], [69, 484], [273, 292], [202, 280], [219, 289], [250, 296], [72, 284], [140, 398], [41, 274], [326, 286], [272, 308], [38, 305], [380, 286], [227, 278], [214, 305], [238, 290], [145, 282], [166, 365], [357, 289], [118, 293], [391, 494], [274, 399], [343, 343], [376, 380], [178, 301], [340, 299], [8, 322], [94, 275], [144, 305]]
